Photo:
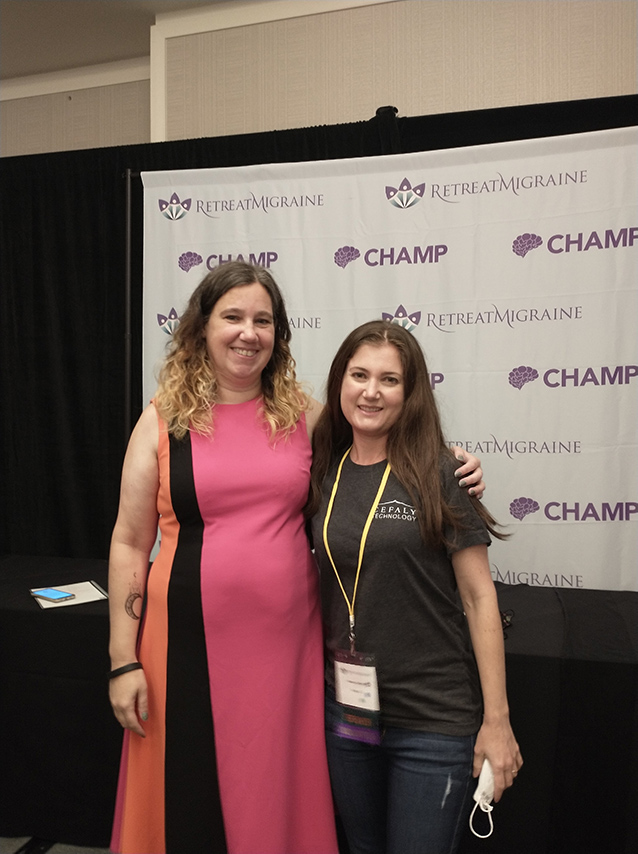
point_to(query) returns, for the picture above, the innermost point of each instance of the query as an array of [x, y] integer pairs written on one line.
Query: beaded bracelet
[[134, 665]]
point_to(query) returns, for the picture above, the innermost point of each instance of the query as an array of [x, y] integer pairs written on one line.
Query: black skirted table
[[572, 669], [572, 673], [59, 741]]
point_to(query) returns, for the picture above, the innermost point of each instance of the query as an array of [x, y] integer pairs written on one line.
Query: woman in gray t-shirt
[[416, 697]]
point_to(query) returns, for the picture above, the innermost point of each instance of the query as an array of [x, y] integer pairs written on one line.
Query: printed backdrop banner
[[515, 267]]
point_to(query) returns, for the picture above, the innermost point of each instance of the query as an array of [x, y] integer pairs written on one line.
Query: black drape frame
[[71, 295]]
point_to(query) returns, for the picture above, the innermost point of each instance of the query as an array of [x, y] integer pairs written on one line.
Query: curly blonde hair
[[188, 390]]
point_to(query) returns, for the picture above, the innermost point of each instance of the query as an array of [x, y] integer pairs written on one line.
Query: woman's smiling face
[[240, 336], [372, 390]]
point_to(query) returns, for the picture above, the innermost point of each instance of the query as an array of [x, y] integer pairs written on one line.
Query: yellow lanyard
[[362, 545]]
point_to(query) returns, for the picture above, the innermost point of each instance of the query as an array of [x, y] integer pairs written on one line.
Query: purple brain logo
[[168, 324], [175, 208], [405, 195], [402, 318], [524, 243], [188, 260], [522, 507], [345, 255], [518, 377]]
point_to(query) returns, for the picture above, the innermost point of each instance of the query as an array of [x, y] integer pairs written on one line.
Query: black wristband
[[134, 665]]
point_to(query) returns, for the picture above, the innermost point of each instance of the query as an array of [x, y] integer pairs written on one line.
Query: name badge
[[356, 680], [358, 696]]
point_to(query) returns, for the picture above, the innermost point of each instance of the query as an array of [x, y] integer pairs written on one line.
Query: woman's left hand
[[496, 742], [469, 472]]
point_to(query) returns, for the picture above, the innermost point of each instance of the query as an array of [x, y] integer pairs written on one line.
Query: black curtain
[[63, 297]]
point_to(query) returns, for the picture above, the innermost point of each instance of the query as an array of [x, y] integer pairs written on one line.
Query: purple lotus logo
[[524, 243], [345, 255], [188, 260], [402, 318], [405, 195], [518, 377], [522, 507], [168, 324], [175, 208]]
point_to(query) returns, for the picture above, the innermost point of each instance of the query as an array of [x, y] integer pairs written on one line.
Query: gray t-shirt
[[407, 609]]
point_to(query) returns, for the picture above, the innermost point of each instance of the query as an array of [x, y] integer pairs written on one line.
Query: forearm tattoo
[[129, 605]]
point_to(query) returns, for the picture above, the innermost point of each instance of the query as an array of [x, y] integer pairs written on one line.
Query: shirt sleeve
[[471, 530]]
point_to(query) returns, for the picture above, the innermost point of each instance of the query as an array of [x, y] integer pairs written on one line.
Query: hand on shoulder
[[313, 412], [469, 472]]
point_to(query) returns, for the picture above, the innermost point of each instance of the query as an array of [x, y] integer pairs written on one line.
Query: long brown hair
[[415, 444], [187, 383]]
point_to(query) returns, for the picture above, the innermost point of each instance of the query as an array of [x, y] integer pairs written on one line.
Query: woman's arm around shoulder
[[131, 543], [469, 472], [495, 740], [313, 412]]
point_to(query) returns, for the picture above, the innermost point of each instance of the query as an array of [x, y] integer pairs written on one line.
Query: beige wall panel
[[422, 56], [67, 121]]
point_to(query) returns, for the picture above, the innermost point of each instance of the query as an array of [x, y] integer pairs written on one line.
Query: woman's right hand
[[128, 694]]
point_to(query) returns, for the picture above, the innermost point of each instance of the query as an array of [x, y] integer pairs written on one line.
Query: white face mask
[[483, 797]]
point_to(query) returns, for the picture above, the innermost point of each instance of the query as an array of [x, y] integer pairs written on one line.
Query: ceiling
[[41, 36]]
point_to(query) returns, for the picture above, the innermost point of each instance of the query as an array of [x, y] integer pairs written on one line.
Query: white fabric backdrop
[[515, 267]]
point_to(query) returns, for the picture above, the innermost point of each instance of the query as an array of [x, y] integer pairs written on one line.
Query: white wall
[[422, 56], [257, 65]]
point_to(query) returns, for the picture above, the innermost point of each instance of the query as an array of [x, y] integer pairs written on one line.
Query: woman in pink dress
[[218, 678]]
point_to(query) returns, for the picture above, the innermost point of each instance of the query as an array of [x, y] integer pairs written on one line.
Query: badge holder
[[358, 697]]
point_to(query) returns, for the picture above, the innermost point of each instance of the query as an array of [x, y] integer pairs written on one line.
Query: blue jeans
[[409, 795]]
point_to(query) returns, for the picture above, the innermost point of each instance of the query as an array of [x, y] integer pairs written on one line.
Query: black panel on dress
[[194, 821]]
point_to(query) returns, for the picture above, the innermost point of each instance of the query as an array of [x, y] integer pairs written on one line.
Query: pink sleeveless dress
[[234, 756]]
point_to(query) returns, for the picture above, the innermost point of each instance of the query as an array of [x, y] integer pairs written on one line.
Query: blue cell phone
[[51, 594]]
